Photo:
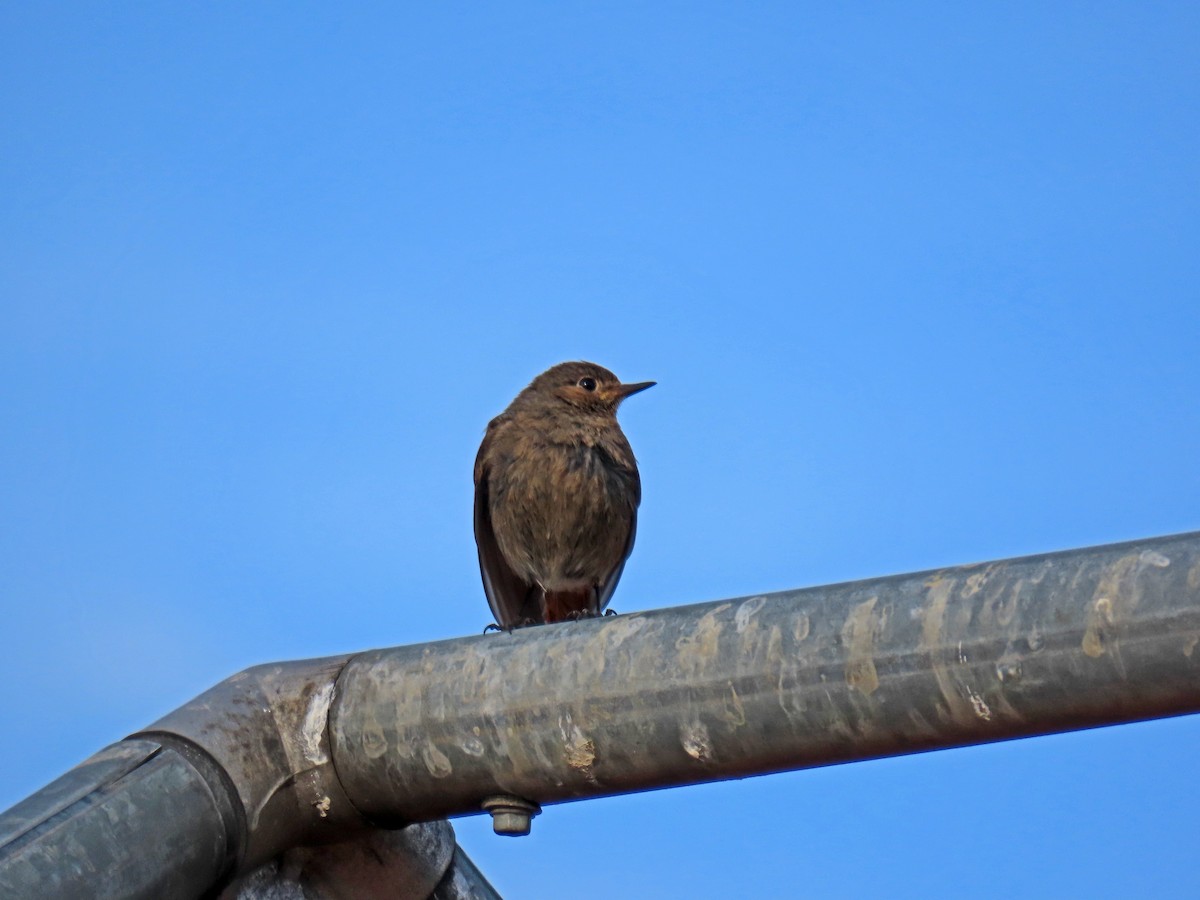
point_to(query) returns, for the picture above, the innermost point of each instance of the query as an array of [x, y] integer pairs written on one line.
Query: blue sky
[[919, 285]]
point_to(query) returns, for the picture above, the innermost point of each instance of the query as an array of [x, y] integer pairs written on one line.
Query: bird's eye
[[588, 384]]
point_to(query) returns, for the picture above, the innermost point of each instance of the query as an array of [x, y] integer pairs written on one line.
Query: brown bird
[[556, 497]]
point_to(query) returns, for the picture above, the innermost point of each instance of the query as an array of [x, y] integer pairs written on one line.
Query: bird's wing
[[506, 591], [605, 588]]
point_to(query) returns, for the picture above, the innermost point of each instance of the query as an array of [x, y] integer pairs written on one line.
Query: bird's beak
[[621, 391]]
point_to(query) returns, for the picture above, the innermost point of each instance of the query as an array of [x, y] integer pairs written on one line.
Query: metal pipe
[[463, 881], [420, 861], [299, 753], [237, 782], [139, 819], [761, 684], [265, 729]]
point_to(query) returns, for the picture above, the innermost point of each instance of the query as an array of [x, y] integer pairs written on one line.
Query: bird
[[556, 498]]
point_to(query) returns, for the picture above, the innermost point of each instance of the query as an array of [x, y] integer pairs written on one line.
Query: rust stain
[[974, 584], [939, 591], [1116, 583], [1005, 610], [695, 741], [701, 646], [789, 696], [1100, 617], [735, 713], [1116, 595], [581, 753], [374, 744], [620, 629], [775, 646], [436, 762], [982, 710], [859, 634], [788, 693], [935, 612]]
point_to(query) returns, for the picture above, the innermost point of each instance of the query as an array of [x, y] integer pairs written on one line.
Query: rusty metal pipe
[[761, 684], [235, 783], [297, 753], [141, 820]]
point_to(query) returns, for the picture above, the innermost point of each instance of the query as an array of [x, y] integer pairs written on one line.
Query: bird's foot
[[577, 615], [508, 629], [610, 612]]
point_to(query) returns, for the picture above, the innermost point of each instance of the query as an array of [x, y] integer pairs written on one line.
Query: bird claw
[[509, 629], [610, 612], [579, 615]]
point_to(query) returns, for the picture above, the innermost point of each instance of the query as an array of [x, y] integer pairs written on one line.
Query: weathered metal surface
[[137, 820], [238, 780], [376, 865], [266, 730], [761, 684], [463, 881], [305, 753]]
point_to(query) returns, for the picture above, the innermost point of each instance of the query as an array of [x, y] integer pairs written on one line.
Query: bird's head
[[583, 385]]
